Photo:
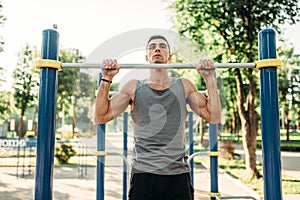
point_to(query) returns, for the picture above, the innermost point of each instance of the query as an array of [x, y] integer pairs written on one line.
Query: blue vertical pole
[[100, 159], [46, 118], [125, 151], [191, 142], [213, 146], [270, 118]]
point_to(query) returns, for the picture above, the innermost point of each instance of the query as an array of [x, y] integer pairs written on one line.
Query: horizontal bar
[[200, 153], [159, 66], [235, 197]]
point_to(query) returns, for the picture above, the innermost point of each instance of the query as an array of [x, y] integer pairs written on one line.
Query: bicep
[[118, 103], [197, 101]]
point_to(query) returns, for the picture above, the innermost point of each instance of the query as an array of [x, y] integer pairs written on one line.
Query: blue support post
[[125, 153], [213, 146], [270, 118], [46, 118], [100, 158], [191, 142]]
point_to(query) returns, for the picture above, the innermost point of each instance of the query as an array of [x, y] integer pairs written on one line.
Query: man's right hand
[[110, 68]]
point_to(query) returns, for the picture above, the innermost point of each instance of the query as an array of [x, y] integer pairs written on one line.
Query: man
[[158, 111]]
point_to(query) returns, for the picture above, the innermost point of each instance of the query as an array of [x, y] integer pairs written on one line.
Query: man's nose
[[157, 49]]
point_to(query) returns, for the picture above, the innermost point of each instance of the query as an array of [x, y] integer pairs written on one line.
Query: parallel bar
[[213, 147], [191, 142], [270, 129], [235, 197], [125, 152], [100, 159], [160, 66], [46, 119]]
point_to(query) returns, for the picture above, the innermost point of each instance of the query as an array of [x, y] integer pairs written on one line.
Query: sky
[[83, 24]]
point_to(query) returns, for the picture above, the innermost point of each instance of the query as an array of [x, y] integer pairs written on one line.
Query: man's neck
[[159, 79], [159, 75]]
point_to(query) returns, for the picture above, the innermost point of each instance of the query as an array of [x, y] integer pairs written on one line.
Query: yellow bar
[[48, 63], [101, 153], [268, 63], [214, 194], [214, 153]]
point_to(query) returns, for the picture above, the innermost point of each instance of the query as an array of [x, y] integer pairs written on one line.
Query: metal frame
[[268, 101], [158, 66]]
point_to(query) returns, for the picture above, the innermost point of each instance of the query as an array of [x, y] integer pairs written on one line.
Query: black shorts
[[147, 186]]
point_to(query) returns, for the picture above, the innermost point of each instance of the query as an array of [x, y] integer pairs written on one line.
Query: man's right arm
[[107, 108]]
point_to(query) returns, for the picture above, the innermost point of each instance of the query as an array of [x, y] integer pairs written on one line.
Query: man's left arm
[[213, 101], [209, 108]]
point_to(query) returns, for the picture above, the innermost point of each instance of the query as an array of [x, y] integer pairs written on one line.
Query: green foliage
[[4, 96], [292, 145], [2, 78], [64, 152], [289, 84], [76, 90], [5, 105], [2, 20], [66, 78], [227, 30], [4, 100], [26, 82], [232, 24], [236, 168]]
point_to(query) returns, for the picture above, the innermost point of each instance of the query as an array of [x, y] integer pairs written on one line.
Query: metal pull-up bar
[[58, 65], [159, 66]]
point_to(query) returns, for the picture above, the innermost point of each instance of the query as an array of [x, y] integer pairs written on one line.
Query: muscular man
[[158, 110]]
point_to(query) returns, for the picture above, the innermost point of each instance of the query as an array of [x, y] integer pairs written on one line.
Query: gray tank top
[[159, 118]]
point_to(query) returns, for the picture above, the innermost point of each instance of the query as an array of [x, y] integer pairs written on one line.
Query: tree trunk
[[233, 127], [20, 127], [287, 125], [20, 131], [249, 122]]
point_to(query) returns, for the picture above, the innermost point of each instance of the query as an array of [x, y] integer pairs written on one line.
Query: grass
[[290, 185], [236, 168], [292, 145]]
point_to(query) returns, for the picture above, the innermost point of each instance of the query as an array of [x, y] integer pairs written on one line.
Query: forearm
[[213, 102], [102, 103]]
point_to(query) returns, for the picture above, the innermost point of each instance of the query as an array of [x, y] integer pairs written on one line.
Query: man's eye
[[151, 46]]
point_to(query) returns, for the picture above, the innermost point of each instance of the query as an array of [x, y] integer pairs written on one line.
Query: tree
[[66, 80], [75, 89], [3, 105], [26, 84], [2, 20], [288, 86], [4, 96], [4, 101], [6, 106], [228, 30]]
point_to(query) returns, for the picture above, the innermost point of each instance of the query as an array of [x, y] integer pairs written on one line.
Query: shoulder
[[129, 86], [185, 80], [189, 87], [187, 83], [129, 90]]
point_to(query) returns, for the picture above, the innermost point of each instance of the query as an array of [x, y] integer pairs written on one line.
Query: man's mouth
[[157, 55]]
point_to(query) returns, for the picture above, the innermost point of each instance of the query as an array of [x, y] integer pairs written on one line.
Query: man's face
[[158, 51]]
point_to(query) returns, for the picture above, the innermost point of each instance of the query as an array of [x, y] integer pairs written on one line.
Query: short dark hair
[[158, 37]]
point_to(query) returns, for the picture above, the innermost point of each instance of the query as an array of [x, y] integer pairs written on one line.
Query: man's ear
[[146, 57], [170, 57]]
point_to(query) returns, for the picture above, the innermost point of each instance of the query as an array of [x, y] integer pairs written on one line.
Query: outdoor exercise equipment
[[267, 64]]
